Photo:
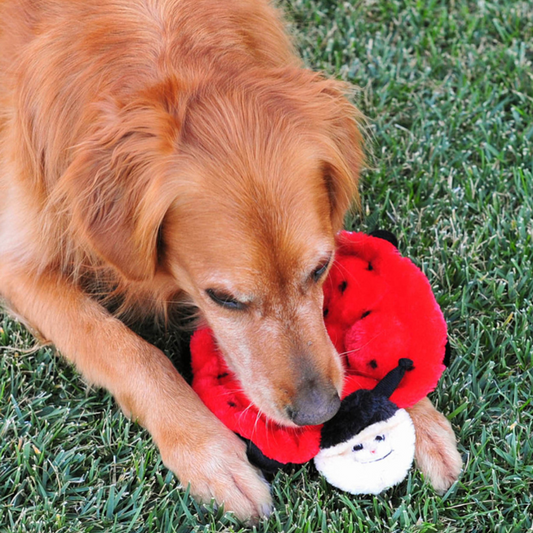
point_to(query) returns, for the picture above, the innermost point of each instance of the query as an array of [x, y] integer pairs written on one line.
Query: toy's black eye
[[320, 270], [225, 300], [380, 438], [358, 447]]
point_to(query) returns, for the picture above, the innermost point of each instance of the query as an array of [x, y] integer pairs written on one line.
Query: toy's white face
[[373, 460], [373, 444]]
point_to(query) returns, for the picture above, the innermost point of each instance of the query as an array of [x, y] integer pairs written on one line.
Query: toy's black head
[[364, 408], [359, 410]]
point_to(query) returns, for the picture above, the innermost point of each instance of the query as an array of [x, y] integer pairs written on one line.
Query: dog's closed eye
[[320, 270], [225, 300]]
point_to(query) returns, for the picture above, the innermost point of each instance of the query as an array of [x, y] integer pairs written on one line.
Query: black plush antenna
[[391, 381]]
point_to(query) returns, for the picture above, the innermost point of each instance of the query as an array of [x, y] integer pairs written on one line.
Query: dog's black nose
[[315, 404]]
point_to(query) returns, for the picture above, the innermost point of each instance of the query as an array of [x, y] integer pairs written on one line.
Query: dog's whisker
[[359, 348]]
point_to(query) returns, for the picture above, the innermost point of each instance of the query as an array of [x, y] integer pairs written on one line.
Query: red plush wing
[[221, 392], [379, 308]]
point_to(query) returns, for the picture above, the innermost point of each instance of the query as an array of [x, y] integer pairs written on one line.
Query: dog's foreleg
[[193, 443], [436, 451]]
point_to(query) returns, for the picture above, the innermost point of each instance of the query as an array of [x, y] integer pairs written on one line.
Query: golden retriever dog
[[156, 150]]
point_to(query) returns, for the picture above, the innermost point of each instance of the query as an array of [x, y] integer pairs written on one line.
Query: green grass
[[448, 90]]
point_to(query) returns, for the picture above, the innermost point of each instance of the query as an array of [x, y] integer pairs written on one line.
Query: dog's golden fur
[[152, 150]]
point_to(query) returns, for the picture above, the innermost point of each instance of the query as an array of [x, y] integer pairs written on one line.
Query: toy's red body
[[378, 308]]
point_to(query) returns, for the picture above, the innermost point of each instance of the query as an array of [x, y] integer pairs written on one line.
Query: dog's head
[[236, 189]]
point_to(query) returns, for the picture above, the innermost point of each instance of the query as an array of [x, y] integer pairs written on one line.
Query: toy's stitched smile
[[376, 460]]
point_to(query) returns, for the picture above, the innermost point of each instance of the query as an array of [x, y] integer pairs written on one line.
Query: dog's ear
[[337, 140], [344, 157], [118, 184]]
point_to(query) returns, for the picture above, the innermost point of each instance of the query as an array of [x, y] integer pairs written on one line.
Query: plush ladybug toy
[[383, 319]]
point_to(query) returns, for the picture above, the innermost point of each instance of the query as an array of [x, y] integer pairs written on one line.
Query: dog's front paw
[[436, 451], [216, 467]]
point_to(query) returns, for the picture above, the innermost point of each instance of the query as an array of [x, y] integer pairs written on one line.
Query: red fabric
[[221, 392], [379, 307]]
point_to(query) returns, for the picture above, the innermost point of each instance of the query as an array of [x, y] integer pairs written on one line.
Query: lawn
[[447, 87]]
